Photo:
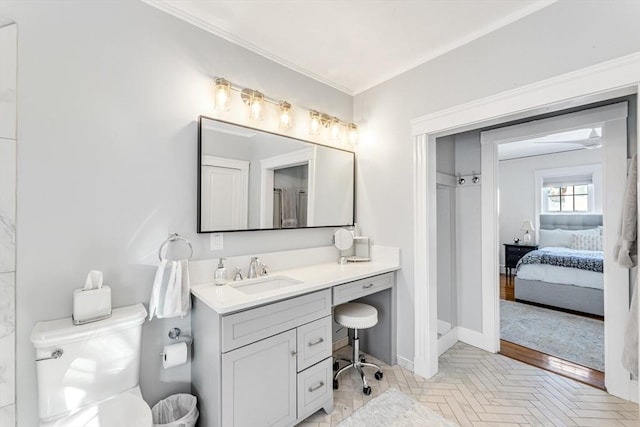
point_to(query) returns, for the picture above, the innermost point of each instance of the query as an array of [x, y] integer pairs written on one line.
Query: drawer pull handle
[[293, 353], [367, 286], [316, 342], [314, 388]]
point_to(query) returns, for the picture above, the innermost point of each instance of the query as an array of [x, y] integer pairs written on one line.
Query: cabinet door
[[259, 383]]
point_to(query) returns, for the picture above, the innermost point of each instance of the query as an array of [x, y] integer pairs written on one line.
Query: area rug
[[567, 336], [395, 409]]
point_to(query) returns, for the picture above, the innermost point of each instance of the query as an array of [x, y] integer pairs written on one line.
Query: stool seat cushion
[[355, 315]]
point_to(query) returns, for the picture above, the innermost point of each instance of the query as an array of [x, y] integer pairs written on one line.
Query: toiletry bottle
[[220, 276]]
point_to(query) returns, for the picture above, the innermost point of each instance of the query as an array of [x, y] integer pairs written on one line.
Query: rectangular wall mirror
[[250, 179]]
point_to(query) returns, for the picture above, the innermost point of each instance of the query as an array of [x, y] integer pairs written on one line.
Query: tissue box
[[90, 305]]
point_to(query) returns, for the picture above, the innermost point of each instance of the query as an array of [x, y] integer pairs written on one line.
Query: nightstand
[[513, 253]]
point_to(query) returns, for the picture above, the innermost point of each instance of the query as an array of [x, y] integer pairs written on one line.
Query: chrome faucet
[[238, 275], [253, 268]]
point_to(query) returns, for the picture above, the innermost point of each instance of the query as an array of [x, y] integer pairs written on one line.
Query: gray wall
[[109, 93], [552, 41], [108, 99]]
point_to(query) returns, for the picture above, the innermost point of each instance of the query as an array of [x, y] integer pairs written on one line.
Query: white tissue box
[[90, 305]]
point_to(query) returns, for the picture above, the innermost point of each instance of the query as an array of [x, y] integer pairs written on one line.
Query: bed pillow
[[556, 238], [587, 242], [597, 230]]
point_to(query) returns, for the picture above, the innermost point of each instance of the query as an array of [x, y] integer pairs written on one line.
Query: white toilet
[[88, 374]]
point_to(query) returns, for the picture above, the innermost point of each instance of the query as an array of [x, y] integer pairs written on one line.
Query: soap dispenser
[[220, 276]]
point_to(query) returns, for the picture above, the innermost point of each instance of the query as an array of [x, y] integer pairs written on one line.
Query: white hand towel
[[289, 208], [630, 350], [625, 250], [154, 301], [170, 296]]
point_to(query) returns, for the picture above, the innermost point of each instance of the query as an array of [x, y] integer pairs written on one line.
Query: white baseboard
[[446, 341], [443, 327], [405, 363], [472, 337], [342, 342], [633, 395]]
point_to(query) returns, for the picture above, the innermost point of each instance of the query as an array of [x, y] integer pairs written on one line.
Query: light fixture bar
[[255, 100]]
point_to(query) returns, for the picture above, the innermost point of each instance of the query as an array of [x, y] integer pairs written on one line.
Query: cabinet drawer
[[252, 325], [315, 387], [360, 288], [512, 260], [314, 342]]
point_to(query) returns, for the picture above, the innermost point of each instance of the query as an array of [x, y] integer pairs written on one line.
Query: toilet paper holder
[[175, 334]]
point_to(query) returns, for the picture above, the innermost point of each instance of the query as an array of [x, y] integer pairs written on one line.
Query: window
[[568, 194], [571, 190], [567, 198]]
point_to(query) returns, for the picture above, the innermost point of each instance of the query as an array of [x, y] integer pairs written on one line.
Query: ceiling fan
[[594, 139]]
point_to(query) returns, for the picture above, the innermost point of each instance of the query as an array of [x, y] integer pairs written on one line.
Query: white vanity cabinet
[[265, 366]]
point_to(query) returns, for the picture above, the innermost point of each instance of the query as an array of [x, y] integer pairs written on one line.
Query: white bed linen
[[562, 275]]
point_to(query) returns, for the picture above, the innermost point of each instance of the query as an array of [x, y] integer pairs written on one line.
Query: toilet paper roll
[[174, 354]]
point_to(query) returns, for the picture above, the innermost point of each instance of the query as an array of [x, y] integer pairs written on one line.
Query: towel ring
[[172, 238]]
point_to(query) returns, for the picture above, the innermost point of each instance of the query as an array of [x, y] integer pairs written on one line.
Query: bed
[[567, 269]]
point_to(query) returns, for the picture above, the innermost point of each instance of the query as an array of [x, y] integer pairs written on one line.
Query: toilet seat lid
[[123, 410]]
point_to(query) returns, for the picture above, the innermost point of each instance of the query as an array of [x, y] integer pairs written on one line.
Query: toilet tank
[[99, 359]]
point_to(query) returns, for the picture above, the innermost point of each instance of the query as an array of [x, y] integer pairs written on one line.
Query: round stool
[[355, 315]]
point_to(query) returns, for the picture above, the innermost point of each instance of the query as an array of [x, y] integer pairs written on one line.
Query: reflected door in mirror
[[225, 193]]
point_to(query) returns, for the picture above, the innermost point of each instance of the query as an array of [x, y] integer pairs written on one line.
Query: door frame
[[613, 119], [269, 165], [603, 81]]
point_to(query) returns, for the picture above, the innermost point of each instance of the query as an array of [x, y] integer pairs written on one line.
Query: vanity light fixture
[[285, 115], [256, 101], [222, 93]]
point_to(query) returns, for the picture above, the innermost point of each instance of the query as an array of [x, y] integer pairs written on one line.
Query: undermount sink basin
[[264, 284]]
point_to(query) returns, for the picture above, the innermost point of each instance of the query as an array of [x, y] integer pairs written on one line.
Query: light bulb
[[353, 133], [285, 115], [256, 110], [335, 128], [314, 124], [222, 92], [254, 100]]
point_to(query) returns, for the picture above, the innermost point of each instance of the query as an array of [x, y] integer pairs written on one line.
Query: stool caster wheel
[[362, 359], [379, 375], [336, 365], [367, 390], [335, 384]]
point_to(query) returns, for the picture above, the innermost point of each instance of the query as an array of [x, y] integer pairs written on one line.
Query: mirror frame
[[199, 183]]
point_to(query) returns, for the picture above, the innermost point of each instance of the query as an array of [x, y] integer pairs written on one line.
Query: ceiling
[[351, 45], [578, 139]]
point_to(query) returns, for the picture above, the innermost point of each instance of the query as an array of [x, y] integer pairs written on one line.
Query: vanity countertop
[[226, 299]]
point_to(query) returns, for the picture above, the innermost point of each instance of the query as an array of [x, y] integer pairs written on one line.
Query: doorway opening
[[595, 84]]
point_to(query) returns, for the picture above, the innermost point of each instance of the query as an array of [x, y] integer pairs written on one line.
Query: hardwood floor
[[541, 360], [507, 288]]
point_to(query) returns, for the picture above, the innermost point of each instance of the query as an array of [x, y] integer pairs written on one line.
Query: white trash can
[[177, 410]]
